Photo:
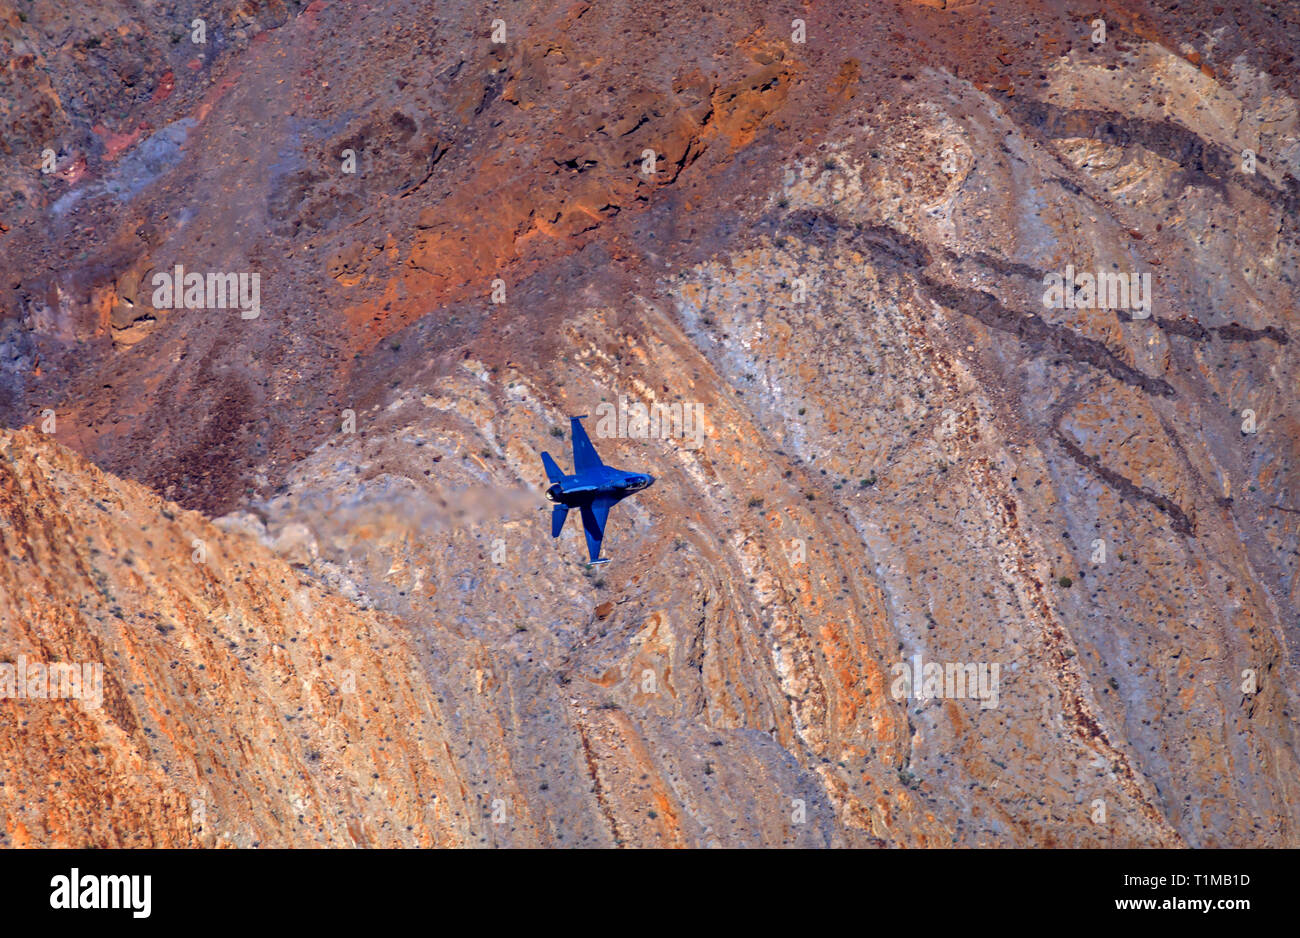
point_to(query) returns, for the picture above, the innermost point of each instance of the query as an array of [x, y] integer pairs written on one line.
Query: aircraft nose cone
[[651, 480]]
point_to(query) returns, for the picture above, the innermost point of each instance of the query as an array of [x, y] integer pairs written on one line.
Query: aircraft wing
[[594, 517], [584, 454]]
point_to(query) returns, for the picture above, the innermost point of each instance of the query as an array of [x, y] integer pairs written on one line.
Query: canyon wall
[[900, 454]]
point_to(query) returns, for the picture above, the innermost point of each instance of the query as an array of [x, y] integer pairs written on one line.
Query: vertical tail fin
[[552, 470]]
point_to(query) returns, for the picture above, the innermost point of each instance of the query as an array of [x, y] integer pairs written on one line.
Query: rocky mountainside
[[984, 312]]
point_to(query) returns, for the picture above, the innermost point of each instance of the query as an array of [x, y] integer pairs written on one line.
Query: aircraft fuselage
[[575, 492]]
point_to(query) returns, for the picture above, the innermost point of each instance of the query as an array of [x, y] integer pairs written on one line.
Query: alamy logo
[[1103, 290], [35, 680], [103, 892], [951, 681], [177, 289], [636, 421]]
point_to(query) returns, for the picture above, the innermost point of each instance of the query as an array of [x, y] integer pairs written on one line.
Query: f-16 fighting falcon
[[593, 488]]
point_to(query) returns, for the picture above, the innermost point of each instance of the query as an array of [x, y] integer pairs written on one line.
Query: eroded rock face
[[904, 454], [242, 704]]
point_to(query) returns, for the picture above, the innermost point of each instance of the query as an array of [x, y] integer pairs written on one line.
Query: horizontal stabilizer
[[558, 515], [552, 470]]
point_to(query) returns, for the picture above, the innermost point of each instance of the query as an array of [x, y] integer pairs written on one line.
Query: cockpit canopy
[[637, 481]]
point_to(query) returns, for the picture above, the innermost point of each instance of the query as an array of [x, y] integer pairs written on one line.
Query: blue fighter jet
[[593, 489]]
